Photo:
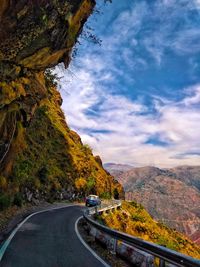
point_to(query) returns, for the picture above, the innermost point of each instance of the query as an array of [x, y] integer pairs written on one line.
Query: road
[[48, 239]]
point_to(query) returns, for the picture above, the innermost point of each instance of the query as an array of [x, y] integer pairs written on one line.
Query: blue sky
[[136, 99]]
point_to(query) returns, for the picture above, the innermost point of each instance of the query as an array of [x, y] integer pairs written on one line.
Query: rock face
[[40, 157], [170, 195]]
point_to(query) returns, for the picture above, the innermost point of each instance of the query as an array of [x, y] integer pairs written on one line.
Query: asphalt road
[[48, 239]]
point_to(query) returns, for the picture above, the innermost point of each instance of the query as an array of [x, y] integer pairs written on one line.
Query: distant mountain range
[[170, 195], [117, 169]]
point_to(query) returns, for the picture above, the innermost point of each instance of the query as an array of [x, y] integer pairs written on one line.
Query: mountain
[[117, 169], [170, 195], [133, 219], [40, 156], [188, 174]]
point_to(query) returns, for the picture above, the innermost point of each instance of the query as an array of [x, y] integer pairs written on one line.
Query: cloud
[[119, 128], [194, 96], [197, 4], [175, 28], [101, 101], [187, 41]]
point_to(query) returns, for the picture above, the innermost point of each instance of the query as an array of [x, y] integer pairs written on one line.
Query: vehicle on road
[[92, 200]]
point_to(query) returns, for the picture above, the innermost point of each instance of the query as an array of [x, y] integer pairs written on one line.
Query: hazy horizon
[[141, 166]]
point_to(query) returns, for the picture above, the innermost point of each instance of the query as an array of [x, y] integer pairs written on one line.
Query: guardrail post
[[162, 263], [96, 210], [112, 246]]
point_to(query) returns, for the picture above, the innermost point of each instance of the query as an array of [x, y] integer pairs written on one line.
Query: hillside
[[169, 195], [117, 169], [40, 157], [133, 219], [188, 174]]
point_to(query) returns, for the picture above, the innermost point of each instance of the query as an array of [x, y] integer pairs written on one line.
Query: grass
[[135, 220]]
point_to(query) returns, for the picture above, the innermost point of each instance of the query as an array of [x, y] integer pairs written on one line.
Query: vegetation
[[135, 220], [51, 78], [5, 201], [18, 201], [45, 158], [52, 158]]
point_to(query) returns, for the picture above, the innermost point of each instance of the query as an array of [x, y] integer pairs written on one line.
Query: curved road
[[48, 239]]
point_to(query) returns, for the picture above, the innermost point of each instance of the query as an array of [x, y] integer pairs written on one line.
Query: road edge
[[86, 245]]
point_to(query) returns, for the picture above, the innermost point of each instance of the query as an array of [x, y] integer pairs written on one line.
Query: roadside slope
[[135, 220]]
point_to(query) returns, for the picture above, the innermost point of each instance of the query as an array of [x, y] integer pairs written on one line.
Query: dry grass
[[135, 220]]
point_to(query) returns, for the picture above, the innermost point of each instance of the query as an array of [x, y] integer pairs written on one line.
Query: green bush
[[51, 78], [105, 195], [22, 170], [141, 229], [43, 175], [90, 185], [137, 205], [138, 218], [18, 200], [5, 201]]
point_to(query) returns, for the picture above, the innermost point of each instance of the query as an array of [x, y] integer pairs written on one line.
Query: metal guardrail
[[109, 205], [164, 254]]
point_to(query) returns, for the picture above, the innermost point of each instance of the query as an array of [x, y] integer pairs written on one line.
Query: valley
[[171, 196]]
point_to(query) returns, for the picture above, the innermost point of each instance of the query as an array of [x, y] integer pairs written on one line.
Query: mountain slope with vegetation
[[170, 195], [40, 157], [133, 219]]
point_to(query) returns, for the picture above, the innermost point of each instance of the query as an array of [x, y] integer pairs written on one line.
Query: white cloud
[[187, 41], [117, 127], [194, 97], [197, 3], [165, 18]]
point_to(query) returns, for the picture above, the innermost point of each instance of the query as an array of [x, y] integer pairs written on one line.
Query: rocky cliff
[[40, 157], [170, 195]]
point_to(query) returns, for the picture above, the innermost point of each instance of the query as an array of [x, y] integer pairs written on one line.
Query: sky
[[136, 98]]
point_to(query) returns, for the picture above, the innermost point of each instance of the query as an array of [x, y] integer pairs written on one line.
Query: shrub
[[5, 201], [140, 228], [87, 149], [137, 205], [138, 218], [90, 184], [22, 170], [3, 183], [105, 195], [18, 200], [80, 183], [51, 78], [43, 175]]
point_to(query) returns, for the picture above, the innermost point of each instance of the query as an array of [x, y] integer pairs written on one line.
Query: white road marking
[[86, 245], [8, 240]]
